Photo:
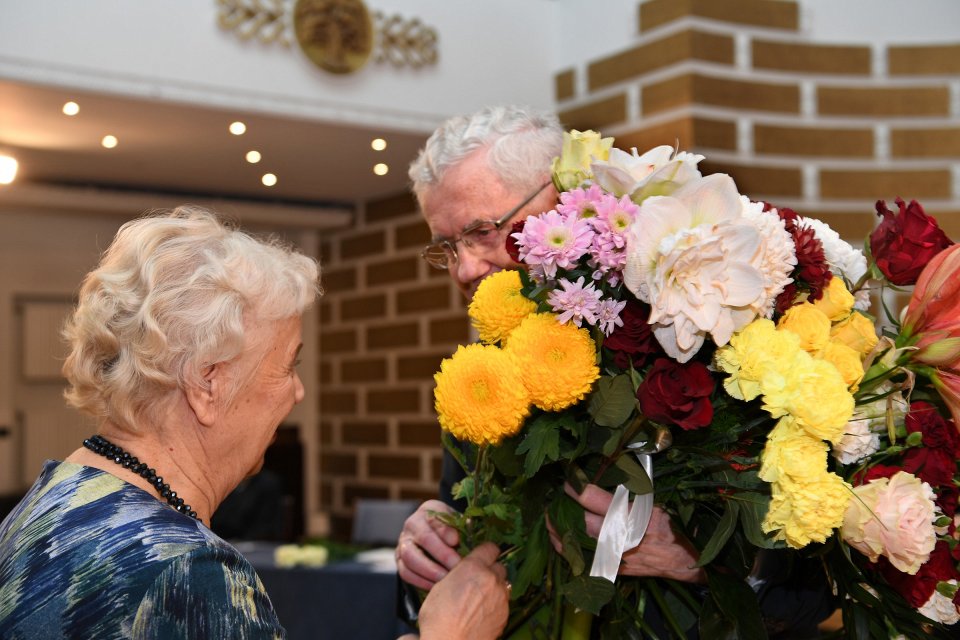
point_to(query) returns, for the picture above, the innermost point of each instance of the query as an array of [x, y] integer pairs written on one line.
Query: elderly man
[[476, 176]]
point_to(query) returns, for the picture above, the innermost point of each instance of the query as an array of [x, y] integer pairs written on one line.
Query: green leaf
[[725, 528], [534, 553], [541, 442], [612, 401], [637, 480], [753, 509], [588, 593], [505, 458]]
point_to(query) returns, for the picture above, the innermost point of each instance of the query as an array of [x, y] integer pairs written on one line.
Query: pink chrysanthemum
[[581, 203], [575, 302], [554, 241], [608, 315], [613, 219]]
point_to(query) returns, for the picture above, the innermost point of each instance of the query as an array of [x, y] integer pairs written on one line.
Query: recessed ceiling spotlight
[[71, 108], [238, 128], [380, 169], [378, 144], [253, 157], [8, 169], [269, 179], [109, 142]]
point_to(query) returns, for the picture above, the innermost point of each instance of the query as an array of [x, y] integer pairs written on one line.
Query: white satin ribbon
[[624, 526]]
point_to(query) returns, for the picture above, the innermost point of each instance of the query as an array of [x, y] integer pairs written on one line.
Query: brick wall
[[825, 128], [386, 321]]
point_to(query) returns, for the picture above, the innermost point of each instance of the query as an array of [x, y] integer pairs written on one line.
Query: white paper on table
[[624, 526]]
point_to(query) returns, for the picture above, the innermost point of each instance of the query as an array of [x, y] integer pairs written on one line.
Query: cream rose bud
[[892, 517], [836, 302], [857, 332], [809, 323], [580, 149]]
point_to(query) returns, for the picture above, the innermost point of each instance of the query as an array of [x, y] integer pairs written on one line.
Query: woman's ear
[[204, 397]]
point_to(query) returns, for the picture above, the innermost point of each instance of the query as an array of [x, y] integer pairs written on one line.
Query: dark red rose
[[903, 244], [679, 394], [934, 461], [874, 472], [918, 588], [947, 497], [634, 342], [511, 243]]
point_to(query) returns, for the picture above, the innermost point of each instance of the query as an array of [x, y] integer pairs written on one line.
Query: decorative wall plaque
[[339, 36]]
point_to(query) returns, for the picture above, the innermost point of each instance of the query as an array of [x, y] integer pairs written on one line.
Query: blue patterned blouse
[[87, 555]]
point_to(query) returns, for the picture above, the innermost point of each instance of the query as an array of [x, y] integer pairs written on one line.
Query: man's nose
[[470, 265]]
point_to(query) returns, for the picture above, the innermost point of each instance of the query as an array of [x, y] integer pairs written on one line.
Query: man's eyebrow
[[437, 238]]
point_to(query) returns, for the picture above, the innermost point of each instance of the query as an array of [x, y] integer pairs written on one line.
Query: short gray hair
[[169, 298], [522, 143]]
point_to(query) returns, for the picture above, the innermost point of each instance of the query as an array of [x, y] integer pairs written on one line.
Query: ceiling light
[[71, 108], [253, 157], [109, 142], [238, 128], [269, 179], [378, 144], [8, 169], [380, 169]]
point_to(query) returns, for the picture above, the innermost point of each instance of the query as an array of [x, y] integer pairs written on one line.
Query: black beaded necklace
[[102, 446]]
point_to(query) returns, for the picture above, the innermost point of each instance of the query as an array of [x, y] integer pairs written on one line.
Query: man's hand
[[661, 553], [427, 548]]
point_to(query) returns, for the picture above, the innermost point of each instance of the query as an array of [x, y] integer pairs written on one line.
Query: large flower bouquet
[[671, 341]]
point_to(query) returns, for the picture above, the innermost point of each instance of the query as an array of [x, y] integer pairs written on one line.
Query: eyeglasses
[[483, 235]]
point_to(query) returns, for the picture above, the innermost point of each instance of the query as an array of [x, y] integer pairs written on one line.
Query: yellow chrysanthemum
[[837, 301], [808, 322], [498, 306], [755, 353], [557, 361], [801, 513], [480, 396], [846, 360], [857, 332]]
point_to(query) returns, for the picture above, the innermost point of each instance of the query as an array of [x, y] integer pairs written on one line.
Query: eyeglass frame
[[444, 243]]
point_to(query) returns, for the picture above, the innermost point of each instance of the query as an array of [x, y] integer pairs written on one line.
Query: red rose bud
[[904, 243], [511, 243], [674, 393]]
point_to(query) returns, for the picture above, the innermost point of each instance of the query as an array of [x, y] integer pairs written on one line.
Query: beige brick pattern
[[882, 184], [924, 60], [644, 58], [813, 141], [757, 13], [596, 114], [810, 58], [758, 181], [720, 92], [563, 85], [925, 143], [884, 101], [688, 133]]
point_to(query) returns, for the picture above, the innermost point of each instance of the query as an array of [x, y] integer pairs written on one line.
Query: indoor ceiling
[[179, 149]]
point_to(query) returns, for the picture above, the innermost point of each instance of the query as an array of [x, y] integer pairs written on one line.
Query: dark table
[[342, 600]]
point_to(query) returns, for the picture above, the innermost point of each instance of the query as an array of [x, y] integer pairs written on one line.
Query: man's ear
[[204, 397]]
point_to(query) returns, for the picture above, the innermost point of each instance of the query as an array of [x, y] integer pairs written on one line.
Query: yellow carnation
[[808, 322], [791, 454], [836, 301], [556, 361], [857, 332], [755, 353], [846, 360], [813, 392], [805, 512], [480, 395], [498, 306]]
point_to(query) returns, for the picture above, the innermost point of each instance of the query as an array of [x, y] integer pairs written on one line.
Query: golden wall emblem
[[339, 36]]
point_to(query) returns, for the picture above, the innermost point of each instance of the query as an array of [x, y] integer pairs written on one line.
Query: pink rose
[[894, 518]]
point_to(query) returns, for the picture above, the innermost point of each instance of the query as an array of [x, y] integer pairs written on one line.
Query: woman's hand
[[427, 548], [661, 553], [472, 602]]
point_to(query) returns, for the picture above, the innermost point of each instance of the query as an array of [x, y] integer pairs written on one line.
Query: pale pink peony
[[693, 258], [894, 518]]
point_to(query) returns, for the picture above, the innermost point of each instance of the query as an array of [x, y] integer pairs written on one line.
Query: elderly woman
[[184, 347]]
